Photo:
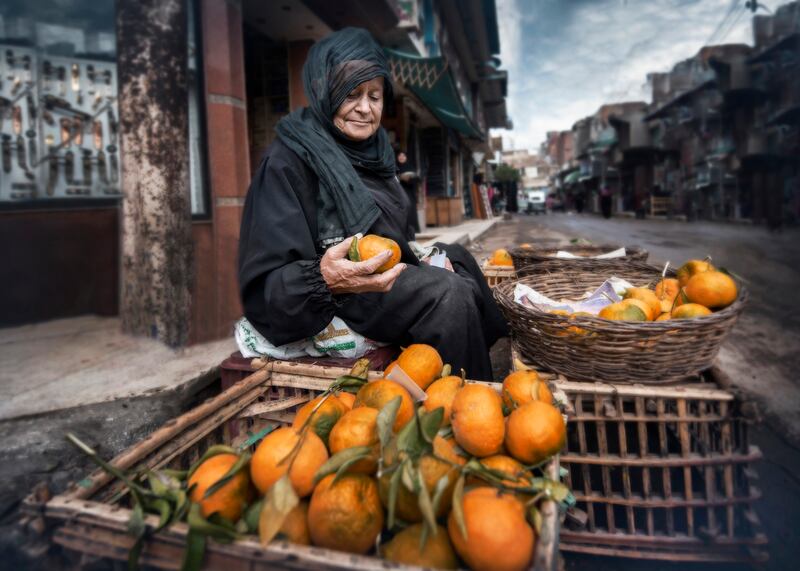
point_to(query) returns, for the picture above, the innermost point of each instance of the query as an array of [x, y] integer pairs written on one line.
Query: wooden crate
[[660, 472], [497, 274], [90, 519]]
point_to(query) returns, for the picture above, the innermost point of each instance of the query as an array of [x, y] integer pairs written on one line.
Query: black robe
[[286, 299]]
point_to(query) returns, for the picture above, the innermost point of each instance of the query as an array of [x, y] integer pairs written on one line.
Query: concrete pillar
[[156, 239], [297, 53]]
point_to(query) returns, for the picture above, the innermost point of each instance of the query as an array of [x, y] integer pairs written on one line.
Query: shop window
[[59, 119]]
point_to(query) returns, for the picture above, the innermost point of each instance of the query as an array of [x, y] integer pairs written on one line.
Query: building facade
[[106, 210]]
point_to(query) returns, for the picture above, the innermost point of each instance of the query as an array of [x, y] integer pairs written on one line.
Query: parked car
[[533, 201]]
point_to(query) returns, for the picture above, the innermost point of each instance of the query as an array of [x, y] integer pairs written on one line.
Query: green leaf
[[535, 517], [386, 420], [257, 437], [340, 458], [203, 526], [252, 514], [278, 502], [136, 525], [343, 468], [447, 370], [458, 506], [360, 369], [240, 464], [438, 492], [424, 502], [394, 488], [164, 510], [430, 424], [408, 477], [195, 551], [135, 553]]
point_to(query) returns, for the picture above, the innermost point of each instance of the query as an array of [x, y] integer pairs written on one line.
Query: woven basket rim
[[542, 250]]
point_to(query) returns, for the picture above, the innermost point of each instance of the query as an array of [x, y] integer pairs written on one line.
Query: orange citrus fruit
[[347, 515], [358, 427], [501, 257], [371, 245], [377, 394], [347, 399], [690, 311], [626, 310], [666, 291], [271, 460], [692, 268], [230, 500], [441, 394], [712, 289], [328, 413], [648, 297], [498, 536], [295, 526], [404, 548], [518, 389], [477, 420], [535, 432], [422, 363]]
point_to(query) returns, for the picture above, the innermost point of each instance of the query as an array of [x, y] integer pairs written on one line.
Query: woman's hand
[[344, 276]]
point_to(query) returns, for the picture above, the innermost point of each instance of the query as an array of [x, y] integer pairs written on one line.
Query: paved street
[[761, 355]]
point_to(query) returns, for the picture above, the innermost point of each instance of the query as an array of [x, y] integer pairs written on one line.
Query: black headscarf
[[335, 66]]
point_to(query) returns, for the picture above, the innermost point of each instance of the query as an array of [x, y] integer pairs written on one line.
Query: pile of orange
[[698, 290], [508, 431]]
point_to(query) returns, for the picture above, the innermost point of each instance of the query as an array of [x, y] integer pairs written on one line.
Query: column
[[156, 239]]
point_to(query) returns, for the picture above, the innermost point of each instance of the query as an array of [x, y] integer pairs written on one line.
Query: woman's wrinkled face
[[359, 116]]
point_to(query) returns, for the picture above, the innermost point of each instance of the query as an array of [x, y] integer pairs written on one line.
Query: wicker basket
[[524, 257], [660, 472], [614, 351], [496, 275], [87, 521]]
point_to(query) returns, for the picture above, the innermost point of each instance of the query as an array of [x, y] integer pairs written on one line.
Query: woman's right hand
[[344, 276]]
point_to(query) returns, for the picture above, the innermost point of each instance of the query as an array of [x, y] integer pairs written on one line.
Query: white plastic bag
[[336, 340]]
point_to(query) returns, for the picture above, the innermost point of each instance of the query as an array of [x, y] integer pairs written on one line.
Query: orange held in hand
[[371, 245]]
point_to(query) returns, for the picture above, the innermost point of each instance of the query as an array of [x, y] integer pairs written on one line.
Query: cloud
[[566, 58]]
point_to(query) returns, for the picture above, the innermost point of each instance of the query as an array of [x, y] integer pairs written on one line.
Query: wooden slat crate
[[91, 518], [498, 274], [660, 472]]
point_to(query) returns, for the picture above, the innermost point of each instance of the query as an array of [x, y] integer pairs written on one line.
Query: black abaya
[[285, 297]]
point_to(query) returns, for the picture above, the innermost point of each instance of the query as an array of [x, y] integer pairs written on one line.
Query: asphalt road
[[762, 354]]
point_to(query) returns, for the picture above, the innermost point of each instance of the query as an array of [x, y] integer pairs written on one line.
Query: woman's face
[[359, 116]]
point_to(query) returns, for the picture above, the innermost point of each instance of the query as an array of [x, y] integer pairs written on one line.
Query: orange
[[625, 310], [691, 268], [433, 469], [404, 548], [518, 389], [648, 297], [347, 515], [270, 460], [379, 393], [690, 311], [371, 245], [712, 289], [477, 420], [357, 427], [666, 291], [347, 399], [441, 394], [664, 317], [526, 246], [422, 363], [328, 413], [498, 536], [501, 257], [535, 432], [230, 500], [295, 526], [518, 476]]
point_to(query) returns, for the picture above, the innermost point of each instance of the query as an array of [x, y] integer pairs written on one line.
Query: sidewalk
[[463, 234]]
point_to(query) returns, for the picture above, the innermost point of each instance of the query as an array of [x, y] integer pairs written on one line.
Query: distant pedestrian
[[409, 180], [579, 202], [605, 202]]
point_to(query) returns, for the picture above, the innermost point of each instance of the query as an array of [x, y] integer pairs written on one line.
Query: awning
[[431, 81]]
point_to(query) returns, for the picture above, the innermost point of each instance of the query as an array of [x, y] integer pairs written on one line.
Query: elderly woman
[[329, 175]]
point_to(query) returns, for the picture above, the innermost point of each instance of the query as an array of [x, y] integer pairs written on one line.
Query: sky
[[565, 58]]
